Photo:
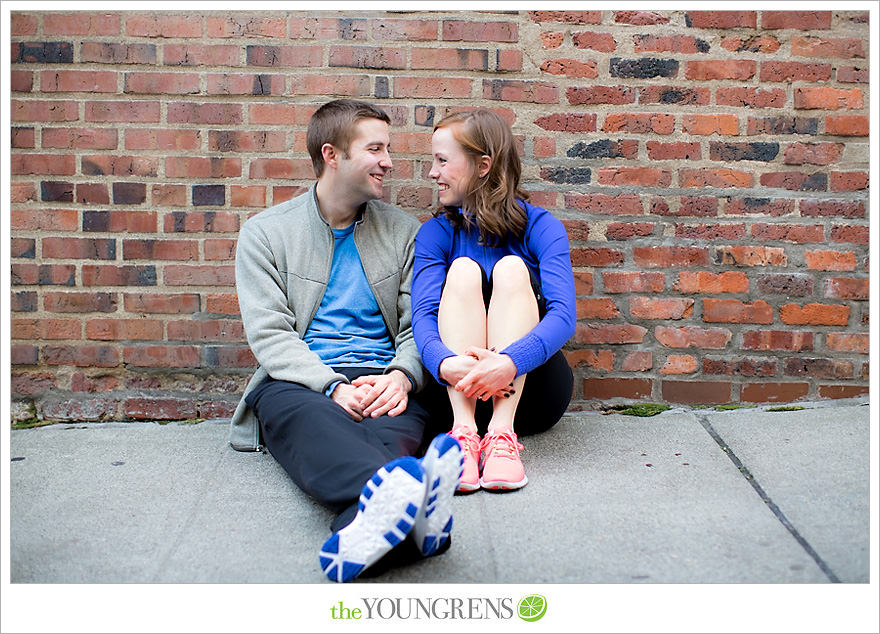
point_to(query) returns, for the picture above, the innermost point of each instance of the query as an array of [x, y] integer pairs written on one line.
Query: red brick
[[751, 97], [237, 26], [230, 357], [169, 195], [815, 314], [570, 68], [31, 384], [115, 165], [596, 257], [812, 153], [640, 176], [852, 75], [222, 303], [405, 30], [124, 329], [22, 24], [326, 29], [95, 275], [679, 364], [22, 192], [45, 219], [568, 122], [432, 87], [839, 208], [638, 123], [603, 42], [827, 260], [551, 40], [709, 283], [662, 308], [202, 167], [696, 391], [161, 83], [575, 17], [745, 367], [597, 95], [199, 275], [721, 19], [514, 90], [737, 69], [666, 257], [598, 308], [212, 113], [80, 410], [639, 18], [164, 303], [78, 81], [846, 125], [765, 392], [827, 98], [378, 57], [628, 230], [48, 329], [163, 26], [848, 342], [607, 388], [162, 356], [593, 359], [79, 248], [637, 361], [577, 230], [80, 138], [118, 53], [281, 168], [752, 44], [45, 110], [794, 71], [803, 20], [734, 311], [23, 355], [714, 178], [789, 340], [462, 30], [55, 164], [710, 231], [210, 330], [706, 124], [847, 182], [795, 181], [200, 55], [73, 302], [847, 288], [818, 368], [633, 282], [123, 111], [81, 356], [158, 408], [79, 382], [842, 47], [799, 234], [161, 139], [609, 334], [669, 44], [843, 391], [659, 151]]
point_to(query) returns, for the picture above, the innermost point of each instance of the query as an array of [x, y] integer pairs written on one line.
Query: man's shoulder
[[283, 212]]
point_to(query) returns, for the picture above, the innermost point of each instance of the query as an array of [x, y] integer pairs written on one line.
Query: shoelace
[[504, 443], [469, 440]]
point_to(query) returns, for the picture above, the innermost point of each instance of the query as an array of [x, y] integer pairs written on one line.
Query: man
[[323, 283]]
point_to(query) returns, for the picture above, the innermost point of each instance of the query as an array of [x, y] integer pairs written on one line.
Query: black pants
[[326, 453], [546, 395]]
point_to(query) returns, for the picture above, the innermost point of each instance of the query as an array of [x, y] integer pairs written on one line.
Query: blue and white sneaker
[[387, 509], [443, 464]]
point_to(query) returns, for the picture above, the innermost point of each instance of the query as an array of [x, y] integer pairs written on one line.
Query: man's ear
[[330, 155], [483, 165]]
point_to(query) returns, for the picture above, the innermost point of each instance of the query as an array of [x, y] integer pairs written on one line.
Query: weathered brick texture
[[711, 168]]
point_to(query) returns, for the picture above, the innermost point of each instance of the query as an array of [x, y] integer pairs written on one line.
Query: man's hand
[[349, 398], [387, 394], [492, 375]]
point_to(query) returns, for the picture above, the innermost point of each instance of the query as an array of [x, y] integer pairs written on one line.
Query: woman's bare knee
[[510, 274], [464, 277]]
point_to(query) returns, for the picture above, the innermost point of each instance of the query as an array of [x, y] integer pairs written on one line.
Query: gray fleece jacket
[[282, 265]]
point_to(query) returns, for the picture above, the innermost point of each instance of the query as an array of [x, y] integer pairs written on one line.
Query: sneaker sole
[[503, 485], [387, 507], [443, 464]]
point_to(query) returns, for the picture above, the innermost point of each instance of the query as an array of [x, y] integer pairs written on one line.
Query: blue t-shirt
[[348, 329], [543, 248]]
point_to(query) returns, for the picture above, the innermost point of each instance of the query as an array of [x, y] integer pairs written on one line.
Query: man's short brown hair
[[334, 123]]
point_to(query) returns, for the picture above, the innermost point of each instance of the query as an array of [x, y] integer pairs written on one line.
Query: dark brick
[[820, 368], [56, 192], [352, 28], [129, 193], [643, 68], [56, 275], [424, 116], [570, 175], [23, 248], [719, 151], [785, 284], [45, 53], [783, 125], [606, 148], [23, 302], [382, 91], [745, 367], [203, 195]]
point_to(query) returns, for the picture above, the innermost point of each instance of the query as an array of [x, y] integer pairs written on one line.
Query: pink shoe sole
[[503, 485]]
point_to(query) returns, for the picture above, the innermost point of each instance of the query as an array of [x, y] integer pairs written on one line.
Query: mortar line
[[766, 498]]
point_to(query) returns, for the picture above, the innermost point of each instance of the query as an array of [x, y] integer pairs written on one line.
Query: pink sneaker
[[470, 447], [502, 468]]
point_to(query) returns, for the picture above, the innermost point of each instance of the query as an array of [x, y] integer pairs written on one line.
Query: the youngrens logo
[[529, 608]]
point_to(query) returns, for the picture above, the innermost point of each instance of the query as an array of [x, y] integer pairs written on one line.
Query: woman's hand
[[492, 375], [453, 369]]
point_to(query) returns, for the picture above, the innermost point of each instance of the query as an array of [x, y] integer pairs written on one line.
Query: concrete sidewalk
[[687, 496]]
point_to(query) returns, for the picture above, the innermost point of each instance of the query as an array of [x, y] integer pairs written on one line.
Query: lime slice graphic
[[532, 607]]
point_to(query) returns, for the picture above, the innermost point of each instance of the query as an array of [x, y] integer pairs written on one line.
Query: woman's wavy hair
[[492, 199]]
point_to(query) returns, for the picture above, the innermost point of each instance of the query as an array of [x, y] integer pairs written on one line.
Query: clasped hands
[[372, 395], [480, 373]]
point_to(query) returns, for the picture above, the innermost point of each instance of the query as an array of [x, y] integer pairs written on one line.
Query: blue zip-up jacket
[[543, 248]]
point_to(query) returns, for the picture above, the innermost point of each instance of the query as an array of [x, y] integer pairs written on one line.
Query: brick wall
[[711, 168]]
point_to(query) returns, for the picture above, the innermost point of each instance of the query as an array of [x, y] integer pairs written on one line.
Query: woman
[[493, 300]]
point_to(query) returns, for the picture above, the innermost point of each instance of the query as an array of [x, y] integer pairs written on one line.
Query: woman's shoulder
[[437, 225]]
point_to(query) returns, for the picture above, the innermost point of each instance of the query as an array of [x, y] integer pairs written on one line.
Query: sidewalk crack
[[766, 498]]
